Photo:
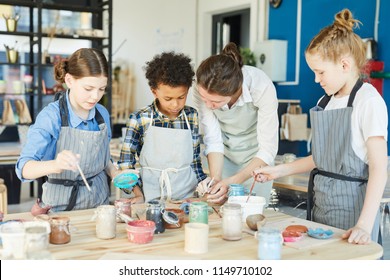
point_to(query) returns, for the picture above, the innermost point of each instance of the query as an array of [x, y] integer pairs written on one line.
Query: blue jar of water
[[237, 190], [270, 244]]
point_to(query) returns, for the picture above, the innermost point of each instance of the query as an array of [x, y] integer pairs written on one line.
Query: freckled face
[[171, 100], [331, 76]]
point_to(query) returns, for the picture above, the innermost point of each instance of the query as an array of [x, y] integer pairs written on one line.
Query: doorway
[[230, 27]]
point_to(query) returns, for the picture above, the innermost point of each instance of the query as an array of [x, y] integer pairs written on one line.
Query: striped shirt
[[139, 122]]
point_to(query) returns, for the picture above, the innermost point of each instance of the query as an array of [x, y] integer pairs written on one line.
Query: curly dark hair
[[170, 69]]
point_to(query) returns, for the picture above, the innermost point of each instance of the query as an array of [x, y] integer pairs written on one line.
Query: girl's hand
[[38, 210], [67, 160], [266, 173], [357, 235]]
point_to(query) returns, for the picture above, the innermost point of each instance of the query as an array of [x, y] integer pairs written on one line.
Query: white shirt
[[258, 89], [369, 117]]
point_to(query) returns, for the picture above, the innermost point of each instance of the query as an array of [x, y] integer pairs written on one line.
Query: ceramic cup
[[196, 238]]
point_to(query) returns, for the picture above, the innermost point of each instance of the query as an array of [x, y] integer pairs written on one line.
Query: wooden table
[[170, 244]]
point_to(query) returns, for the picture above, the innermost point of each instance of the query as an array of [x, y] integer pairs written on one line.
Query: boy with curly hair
[[164, 136]]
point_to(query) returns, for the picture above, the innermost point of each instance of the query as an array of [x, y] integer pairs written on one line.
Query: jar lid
[[232, 206], [126, 181], [171, 217], [59, 220]]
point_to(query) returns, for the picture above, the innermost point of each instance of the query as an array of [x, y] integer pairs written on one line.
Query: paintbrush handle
[[83, 177], [250, 192]]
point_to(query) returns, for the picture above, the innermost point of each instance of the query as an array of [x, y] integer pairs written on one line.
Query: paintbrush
[[216, 211], [83, 176], [250, 192], [209, 184]]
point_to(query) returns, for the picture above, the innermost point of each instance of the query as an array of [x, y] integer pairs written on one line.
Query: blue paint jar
[[270, 244], [237, 190]]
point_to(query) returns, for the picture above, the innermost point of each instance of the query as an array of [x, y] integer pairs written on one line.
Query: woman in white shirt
[[237, 107]]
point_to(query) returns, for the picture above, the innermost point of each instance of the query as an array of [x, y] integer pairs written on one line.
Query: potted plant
[[248, 56]]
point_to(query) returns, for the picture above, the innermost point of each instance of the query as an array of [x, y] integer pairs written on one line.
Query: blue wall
[[317, 14]]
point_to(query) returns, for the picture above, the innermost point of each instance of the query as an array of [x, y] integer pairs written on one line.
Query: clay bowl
[[255, 221]]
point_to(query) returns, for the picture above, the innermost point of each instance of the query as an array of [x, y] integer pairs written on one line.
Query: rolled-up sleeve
[[267, 123], [42, 138]]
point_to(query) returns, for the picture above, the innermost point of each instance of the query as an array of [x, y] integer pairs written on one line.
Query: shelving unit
[[100, 12]]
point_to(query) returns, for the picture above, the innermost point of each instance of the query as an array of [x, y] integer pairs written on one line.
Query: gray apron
[[336, 195], [239, 134], [67, 191], [165, 160]]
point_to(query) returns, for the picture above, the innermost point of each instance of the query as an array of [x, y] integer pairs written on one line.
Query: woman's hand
[[218, 193], [203, 186]]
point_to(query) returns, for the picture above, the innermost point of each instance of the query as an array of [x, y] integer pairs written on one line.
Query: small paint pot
[[140, 231]]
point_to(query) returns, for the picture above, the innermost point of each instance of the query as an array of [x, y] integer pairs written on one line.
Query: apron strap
[[64, 112], [75, 184], [325, 100], [310, 191], [164, 180]]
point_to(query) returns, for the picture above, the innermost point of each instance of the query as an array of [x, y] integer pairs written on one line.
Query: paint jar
[[105, 221], [154, 213], [122, 205], [236, 190], [199, 212], [140, 231], [60, 233], [270, 244], [12, 234], [37, 240], [181, 216], [231, 221]]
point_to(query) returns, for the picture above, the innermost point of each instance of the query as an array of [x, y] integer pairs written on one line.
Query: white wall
[[152, 26]]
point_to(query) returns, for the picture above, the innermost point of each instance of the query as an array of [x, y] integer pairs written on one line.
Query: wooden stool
[[3, 199]]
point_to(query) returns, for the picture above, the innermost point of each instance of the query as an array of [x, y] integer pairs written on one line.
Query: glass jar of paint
[[105, 221], [59, 230], [199, 212], [231, 221], [236, 190], [154, 213], [270, 244]]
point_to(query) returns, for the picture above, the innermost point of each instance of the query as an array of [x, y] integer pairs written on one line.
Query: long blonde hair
[[338, 39]]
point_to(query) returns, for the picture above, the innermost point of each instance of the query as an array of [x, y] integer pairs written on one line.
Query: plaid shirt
[[139, 122]]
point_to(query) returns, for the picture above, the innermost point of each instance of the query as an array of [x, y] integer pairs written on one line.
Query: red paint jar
[[140, 231]]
